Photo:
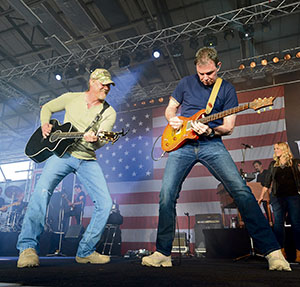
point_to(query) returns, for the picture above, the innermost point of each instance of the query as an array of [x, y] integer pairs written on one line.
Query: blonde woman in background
[[284, 176]]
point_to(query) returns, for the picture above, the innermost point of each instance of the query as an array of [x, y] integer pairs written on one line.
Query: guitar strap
[[213, 96], [98, 116]]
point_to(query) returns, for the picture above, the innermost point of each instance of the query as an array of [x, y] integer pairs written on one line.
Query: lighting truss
[[10, 92], [200, 28], [166, 89]]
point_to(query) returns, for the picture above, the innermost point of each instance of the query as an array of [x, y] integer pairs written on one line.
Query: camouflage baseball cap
[[103, 76]]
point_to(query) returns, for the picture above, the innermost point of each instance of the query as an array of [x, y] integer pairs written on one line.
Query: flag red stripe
[[153, 197]]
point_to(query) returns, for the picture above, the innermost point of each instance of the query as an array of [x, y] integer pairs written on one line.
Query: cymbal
[[13, 190]]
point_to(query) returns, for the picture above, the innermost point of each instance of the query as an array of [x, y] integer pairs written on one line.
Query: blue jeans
[[91, 176], [214, 156], [281, 206]]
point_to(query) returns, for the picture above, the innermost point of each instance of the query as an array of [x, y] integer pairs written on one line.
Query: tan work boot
[[28, 258], [277, 261], [157, 260], [94, 258], [297, 256]]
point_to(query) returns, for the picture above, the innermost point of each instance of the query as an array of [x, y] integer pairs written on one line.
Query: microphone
[[186, 213], [247, 145]]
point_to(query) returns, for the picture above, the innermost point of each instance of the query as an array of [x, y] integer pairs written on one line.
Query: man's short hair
[[257, 161], [78, 186], [205, 54]]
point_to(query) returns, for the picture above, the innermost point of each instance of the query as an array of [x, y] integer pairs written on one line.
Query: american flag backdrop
[[134, 179]]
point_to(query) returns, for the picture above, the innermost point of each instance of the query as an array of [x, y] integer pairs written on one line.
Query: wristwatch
[[211, 134]]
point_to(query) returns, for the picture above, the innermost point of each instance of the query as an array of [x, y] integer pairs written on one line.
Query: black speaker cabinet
[[205, 221], [75, 231]]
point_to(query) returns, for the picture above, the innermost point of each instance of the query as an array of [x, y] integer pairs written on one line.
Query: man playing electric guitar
[[82, 110], [76, 207], [193, 94]]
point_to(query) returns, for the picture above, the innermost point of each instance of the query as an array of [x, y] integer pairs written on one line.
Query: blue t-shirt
[[193, 96]]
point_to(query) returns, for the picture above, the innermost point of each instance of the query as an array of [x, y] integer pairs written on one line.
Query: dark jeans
[[218, 161], [281, 206]]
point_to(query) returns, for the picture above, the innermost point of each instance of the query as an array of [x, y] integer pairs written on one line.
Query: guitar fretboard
[[224, 114], [78, 135]]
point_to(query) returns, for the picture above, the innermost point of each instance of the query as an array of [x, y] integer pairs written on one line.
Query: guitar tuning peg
[[258, 111], [270, 108], [264, 109]]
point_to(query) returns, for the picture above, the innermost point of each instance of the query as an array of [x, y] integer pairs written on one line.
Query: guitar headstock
[[111, 136], [261, 103]]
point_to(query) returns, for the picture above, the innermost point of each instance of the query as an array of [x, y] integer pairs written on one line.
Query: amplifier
[[205, 221]]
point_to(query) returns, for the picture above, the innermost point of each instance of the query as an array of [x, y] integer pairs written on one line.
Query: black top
[[286, 182], [77, 199], [261, 176]]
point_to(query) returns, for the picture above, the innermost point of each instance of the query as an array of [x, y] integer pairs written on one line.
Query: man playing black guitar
[[83, 111], [76, 208]]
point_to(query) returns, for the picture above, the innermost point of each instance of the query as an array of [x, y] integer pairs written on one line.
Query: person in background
[[261, 172], [192, 94], [77, 207], [81, 109], [260, 177], [284, 176]]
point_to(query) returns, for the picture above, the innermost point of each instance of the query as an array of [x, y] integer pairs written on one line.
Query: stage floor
[[64, 271]]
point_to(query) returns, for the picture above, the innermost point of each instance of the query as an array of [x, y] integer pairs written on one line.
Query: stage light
[[210, 41], [252, 64], [241, 67], [264, 62], [247, 32], [156, 53], [58, 75], [275, 59], [194, 43], [229, 35], [176, 50], [143, 103], [151, 101], [287, 57], [124, 61], [298, 55], [161, 100]]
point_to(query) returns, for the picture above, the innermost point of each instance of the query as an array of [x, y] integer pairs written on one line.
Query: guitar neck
[[71, 135], [224, 114]]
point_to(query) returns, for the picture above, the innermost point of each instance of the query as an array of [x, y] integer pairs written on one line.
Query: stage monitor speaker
[[75, 231], [205, 221]]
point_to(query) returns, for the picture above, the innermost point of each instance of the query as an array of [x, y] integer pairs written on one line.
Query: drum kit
[[12, 214]]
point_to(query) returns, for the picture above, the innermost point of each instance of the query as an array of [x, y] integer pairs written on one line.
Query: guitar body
[[39, 149], [174, 139]]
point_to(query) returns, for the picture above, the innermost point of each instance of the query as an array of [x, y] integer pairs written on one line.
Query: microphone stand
[[60, 231], [189, 234]]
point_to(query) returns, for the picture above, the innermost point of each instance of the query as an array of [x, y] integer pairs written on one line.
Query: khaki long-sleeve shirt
[[80, 116]]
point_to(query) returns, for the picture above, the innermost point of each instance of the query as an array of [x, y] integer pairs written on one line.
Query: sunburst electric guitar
[[173, 139], [59, 140]]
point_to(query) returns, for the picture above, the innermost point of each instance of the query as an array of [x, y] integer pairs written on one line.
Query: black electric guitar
[[60, 139]]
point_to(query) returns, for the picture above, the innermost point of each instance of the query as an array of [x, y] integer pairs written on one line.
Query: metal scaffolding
[[209, 25]]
